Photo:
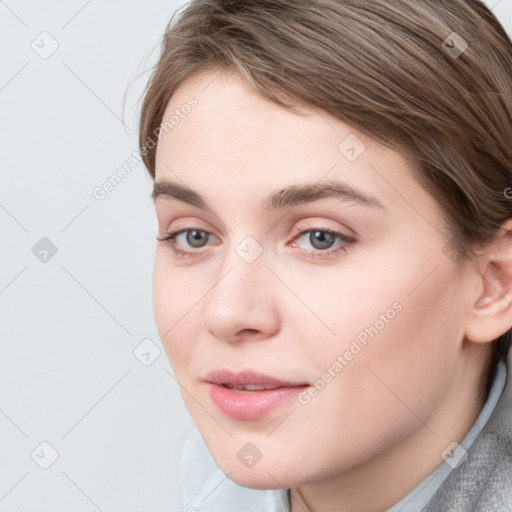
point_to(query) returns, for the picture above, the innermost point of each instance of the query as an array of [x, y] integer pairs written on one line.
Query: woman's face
[[357, 323]]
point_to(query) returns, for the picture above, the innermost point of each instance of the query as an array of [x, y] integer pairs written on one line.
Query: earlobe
[[491, 314]]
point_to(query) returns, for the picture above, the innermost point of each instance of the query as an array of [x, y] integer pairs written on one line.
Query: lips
[[226, 377], [249, 395], [250, 387]]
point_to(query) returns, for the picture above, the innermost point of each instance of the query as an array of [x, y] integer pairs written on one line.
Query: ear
[[491, 314]]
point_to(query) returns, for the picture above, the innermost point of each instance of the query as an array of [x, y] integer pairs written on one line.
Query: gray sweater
[[483, 482], [478, 478]]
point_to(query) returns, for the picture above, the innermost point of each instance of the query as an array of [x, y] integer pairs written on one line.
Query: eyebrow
[[290, 196]]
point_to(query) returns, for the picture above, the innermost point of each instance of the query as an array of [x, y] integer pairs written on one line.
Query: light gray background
[[69, 325]]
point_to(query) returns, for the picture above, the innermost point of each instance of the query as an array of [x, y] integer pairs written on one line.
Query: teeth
[[251, 387]]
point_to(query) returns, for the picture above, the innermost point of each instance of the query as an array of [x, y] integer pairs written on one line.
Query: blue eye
[[323, 239], [194, 237], [320, 239]]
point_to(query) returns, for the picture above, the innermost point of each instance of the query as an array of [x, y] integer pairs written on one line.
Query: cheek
[[392, 300], [163, 299], [392, 331], [398, 347], [176, 317]]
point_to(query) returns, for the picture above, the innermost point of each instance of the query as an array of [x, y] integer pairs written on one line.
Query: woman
[[332, 281]]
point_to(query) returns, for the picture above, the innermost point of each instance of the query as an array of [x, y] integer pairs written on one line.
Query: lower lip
[[250, 405]]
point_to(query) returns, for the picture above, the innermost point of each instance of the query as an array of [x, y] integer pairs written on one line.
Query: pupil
[[321, 239], [195, 238]]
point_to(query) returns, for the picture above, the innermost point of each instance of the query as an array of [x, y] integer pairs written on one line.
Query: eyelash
[[170, 237]]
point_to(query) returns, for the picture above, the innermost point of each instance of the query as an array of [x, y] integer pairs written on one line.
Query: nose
[[241, 303]]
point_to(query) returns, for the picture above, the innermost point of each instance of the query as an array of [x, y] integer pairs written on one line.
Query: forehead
[[236, 145], [233, 121]]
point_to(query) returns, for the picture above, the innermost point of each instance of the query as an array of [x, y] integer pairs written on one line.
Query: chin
[[272, 473], [258, 479]]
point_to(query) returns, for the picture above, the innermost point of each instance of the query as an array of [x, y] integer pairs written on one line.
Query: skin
[[380, 425]]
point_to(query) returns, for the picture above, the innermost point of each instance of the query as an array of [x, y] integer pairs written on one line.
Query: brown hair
[[396, 70]]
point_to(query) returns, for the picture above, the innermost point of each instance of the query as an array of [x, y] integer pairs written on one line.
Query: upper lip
[[222, 377]]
